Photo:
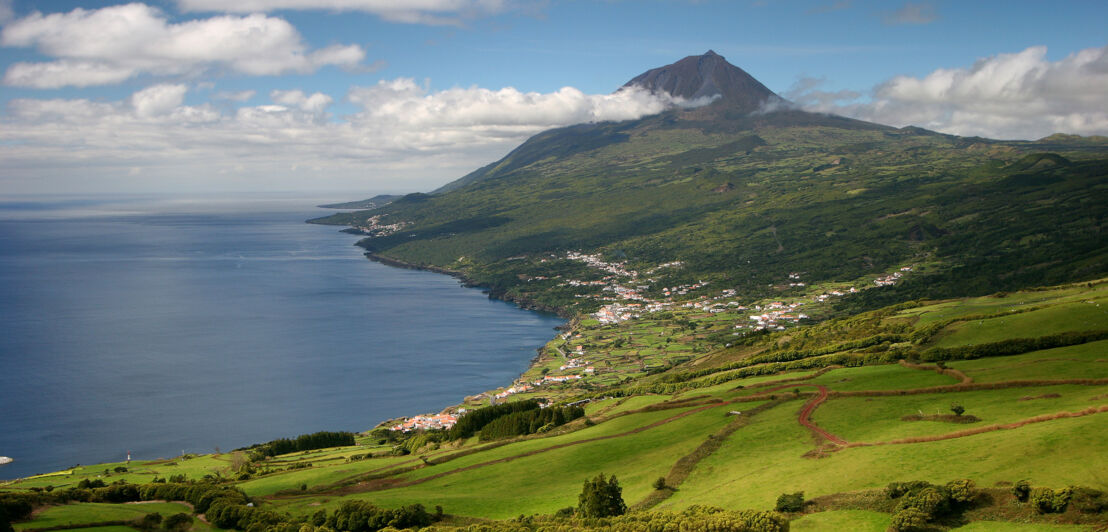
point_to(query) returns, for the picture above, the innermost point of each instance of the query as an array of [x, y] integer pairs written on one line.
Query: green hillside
[[747, 201]]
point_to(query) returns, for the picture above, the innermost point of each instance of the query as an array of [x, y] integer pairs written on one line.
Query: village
[[373, 226], [623, 292]]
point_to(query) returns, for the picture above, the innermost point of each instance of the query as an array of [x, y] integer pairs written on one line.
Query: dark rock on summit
[[707, 76]]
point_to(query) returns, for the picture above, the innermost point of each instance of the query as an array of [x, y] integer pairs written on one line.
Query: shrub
[[896, 490], [178, 521], [1022, 490], [149, 521], [1046, 500], [930, 500], [909, 520], [957, 409], [961, 491], [660, 484], [790, 502]]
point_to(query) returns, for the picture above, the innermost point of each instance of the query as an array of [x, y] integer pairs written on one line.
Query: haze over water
[[160, 327]]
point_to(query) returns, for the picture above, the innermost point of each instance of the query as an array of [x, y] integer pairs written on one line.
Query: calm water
[[167, 326]]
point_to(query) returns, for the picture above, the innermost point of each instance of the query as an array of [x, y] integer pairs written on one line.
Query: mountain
[[743, 195], [707, 77]]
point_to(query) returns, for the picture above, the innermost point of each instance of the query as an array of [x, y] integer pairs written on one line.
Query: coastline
[[523, 303]]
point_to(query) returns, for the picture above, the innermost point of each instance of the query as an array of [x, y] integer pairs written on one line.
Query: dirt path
[[806, 412]]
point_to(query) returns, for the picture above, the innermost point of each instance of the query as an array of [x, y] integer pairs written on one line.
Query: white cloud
[[109, 45], [432, 12], [404, 133], [158, 100], [315, 104], [1022, 95]]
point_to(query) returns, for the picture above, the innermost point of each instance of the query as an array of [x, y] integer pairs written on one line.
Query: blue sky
[[399, 96]]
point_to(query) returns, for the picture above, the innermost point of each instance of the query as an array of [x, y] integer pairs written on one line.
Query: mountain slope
[[746, 198]]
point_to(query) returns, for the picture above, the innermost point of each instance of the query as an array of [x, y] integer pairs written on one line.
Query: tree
[[601, 498], [660, 484], [790, 502], [957, 409]]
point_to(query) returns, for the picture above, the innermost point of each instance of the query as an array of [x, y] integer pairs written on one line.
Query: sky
[[397, 96]]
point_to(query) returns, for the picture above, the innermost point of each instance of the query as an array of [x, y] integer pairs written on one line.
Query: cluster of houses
[[375, 227], [683, 289], [427, 422], [834, 293], [519, 388], [774, 315], [889, 280], [594, 261]]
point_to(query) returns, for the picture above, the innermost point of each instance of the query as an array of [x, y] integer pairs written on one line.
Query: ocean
[[158, 326]]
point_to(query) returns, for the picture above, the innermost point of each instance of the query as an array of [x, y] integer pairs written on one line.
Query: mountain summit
[[707, 76]]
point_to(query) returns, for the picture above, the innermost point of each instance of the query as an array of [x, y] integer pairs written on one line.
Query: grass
[[1073, 316], [886, 377], [79, 513], [767, 458], [854, 520], [548, 481], [872, 419], [1085, 361], [316, 475]]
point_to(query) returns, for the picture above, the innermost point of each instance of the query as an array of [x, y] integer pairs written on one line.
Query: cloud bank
[[432, 12], [109, 45], [1008, 96], [400, 129]]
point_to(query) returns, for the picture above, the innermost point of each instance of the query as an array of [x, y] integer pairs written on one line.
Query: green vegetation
[[779, 311], [601, 498]]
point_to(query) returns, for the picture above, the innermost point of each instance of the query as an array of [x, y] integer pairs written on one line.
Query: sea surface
[[161, 326]]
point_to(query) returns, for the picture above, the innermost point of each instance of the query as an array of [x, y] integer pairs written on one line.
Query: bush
[[660, 484], [149, 522], [1047, 501], [930, 500], [790, 502], [179, 521], [909, 520], [961, 491], [1022, 490], [896, 490]]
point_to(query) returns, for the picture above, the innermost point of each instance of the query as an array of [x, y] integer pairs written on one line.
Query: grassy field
[[80, 513], [886, 377], [854, 520], [767, 458], [1086, 315], [1085, 361], [874, 419], [545, 482]]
